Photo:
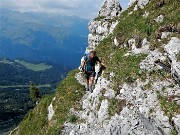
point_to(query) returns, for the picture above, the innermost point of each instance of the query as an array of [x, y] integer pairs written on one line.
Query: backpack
[[86, 54]]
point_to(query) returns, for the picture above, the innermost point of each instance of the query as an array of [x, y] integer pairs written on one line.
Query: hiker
[[88, 65]]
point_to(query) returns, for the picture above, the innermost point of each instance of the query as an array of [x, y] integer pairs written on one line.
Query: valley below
[[15, 77], [35, 47]]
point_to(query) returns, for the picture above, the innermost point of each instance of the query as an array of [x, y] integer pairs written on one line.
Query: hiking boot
[[87, 88], [91, 88]]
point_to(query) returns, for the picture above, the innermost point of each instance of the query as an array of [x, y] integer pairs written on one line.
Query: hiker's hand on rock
[[81, 69], [103, 65]]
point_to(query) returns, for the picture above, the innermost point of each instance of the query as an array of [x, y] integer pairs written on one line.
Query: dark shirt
[[90, 63]]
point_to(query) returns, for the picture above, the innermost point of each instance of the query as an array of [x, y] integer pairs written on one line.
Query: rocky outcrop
[[149, 63], [50, 111], [172, 49], [110, 9], [103, 25], [141, 113], [138, 46], [140, 3]]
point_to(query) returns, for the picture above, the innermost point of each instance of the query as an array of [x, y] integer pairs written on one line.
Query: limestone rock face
[[50, 111], [141, 111], [137, 48], [131, 2], [172, 49], [140, 3], [103, 25], [110, 8], [148, 63]]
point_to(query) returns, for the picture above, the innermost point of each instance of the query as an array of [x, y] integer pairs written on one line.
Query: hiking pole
[[168, 69], [99, 73], [164, 66]]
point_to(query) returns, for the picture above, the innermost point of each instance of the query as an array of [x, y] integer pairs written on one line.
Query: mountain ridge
[[134, 95], [42, 37]]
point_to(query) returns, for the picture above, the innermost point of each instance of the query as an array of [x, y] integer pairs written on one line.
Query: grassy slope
[[36, 119], [67, 95], [136, 25], [125, 68]]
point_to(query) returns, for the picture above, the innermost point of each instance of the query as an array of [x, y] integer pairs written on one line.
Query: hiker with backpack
[[88, 66]]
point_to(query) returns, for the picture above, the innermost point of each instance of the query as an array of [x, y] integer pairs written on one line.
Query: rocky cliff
[[104, 24], [137, 93]]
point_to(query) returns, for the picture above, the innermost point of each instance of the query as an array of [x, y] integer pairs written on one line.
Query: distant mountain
[[42, 37]]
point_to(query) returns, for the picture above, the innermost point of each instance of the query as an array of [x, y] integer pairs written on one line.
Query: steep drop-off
[[136, 94]]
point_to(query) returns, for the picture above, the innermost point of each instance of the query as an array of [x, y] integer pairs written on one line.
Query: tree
[[34, 92]]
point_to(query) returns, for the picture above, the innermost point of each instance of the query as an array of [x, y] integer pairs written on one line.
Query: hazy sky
[[83, 8]]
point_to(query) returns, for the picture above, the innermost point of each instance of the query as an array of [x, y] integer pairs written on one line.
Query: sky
[[82, 8]]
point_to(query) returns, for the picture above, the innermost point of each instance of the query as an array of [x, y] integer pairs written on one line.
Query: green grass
[[178, 56], [126, 68], [159, 75], [34, 122], [68, 93], [148, 86], [173, 133], [137, 25], [99, 18], [73, 118], [116, 106], [34, 67], [171, 108]]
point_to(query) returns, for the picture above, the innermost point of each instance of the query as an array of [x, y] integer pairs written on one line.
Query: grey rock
[[110, 8]]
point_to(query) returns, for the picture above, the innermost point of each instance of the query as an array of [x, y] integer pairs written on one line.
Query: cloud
[[83, 8]]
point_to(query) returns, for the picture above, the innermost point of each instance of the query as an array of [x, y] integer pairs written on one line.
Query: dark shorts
[[90, 74]]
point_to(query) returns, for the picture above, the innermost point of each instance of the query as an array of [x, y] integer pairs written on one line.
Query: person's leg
[[87, 82], [91, 81], [91, 84]]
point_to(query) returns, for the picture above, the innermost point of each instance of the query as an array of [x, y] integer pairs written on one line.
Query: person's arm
[[81, 68], [98, 60], [101, 63], [83, 64]]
